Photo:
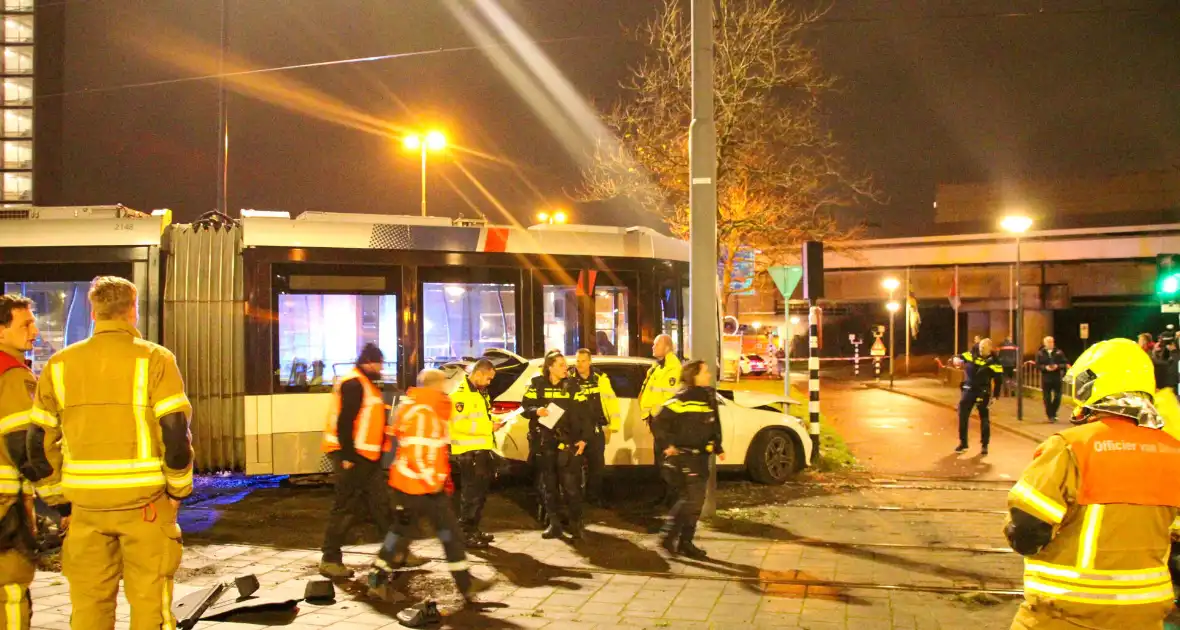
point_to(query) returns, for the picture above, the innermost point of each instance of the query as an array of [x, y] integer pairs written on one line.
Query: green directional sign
[[786, 278]]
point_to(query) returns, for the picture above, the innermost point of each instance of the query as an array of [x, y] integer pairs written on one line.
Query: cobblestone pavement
[[823, 560]]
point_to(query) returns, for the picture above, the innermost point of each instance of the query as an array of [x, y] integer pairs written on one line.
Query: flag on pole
[[912, 311], [954, 296]]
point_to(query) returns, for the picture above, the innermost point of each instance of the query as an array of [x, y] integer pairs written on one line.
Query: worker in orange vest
[[353, 438], [418, 477]]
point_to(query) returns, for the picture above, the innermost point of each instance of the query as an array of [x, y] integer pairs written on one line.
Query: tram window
[[320, 336], [670, 312], [626, 379], [63, 315], [561, 319], [611, 332], [464, 319]]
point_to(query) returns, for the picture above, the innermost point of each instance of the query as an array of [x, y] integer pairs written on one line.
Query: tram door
[[59, 295], [596, 313]]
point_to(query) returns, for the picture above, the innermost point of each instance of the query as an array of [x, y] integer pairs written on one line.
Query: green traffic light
[[1170, 285]]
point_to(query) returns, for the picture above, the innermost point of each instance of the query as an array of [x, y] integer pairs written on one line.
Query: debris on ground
[[977, 598]]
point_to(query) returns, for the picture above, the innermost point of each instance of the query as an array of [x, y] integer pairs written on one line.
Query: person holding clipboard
[[559, 431]]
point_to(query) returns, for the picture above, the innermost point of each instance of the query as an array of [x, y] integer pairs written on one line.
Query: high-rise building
[[16, 128]]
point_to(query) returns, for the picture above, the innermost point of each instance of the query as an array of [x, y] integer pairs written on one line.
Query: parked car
[[753, 365], [770, 445]]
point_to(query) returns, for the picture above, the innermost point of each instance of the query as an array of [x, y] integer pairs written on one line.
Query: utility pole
[[223, 118], [702, 201]]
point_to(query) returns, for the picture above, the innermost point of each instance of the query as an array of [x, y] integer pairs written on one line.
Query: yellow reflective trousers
[[16, 573], [142, 546]]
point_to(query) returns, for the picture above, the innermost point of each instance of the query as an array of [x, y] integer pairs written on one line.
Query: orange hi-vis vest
[[1115, 451], [421, 428], [368, 431]]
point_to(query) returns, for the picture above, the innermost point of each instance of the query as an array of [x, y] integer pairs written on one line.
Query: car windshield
[[754, 357]]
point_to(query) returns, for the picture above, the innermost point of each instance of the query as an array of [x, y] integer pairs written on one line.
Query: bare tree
[[779, 175]]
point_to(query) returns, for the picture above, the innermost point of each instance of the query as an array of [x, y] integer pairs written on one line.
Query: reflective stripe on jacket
[[662, 382], [597, 389], [421, 464], [104, 397], [17, 385], [1107, 489], [471, 422], [368, 430]]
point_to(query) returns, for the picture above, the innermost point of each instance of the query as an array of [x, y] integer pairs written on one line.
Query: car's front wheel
[[773, 457]]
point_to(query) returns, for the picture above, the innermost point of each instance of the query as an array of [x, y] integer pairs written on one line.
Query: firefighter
[[1092, 512], [354, 437], [981, 385], [118, 401], [660, 384], [561, 447], [18, 331], [602, 407], [418, 477], [690, 427], [473, 447]]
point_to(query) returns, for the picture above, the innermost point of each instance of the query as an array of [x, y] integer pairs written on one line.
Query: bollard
[[877, 368], [813, 378]]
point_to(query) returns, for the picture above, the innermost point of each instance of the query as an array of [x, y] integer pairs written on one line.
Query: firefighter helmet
[[1114, 377]]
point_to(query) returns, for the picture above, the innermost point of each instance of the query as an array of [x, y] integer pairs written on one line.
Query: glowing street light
[[1018, 224], [891, 284], [892, 306], [432, 141], [552, 218]]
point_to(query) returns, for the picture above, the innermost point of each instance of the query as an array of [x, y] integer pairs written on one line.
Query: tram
[[263, 312]]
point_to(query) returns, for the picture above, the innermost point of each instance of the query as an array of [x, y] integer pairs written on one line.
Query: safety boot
[[554, 529], [477, 586], [576, 529], [689, 550], [380, 583], [473, 541], [484, 536], [335, 570]]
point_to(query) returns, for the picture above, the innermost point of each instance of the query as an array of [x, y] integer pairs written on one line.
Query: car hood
[[754, 400]]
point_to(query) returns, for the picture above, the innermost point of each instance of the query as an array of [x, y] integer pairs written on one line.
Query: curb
[[1003, 425]]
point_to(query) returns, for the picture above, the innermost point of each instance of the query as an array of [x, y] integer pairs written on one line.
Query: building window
[[18, 154], [18, 6], [321, 335], [18, 60], [18, 29], [465, 319], [18, 92], [18, 186], [63, 315], [612, 334], [17, 123]]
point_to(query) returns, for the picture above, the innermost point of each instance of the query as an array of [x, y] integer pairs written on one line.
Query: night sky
[[930, 91]]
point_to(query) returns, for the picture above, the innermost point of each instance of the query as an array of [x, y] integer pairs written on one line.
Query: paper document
[[509, 418], [550, 420]]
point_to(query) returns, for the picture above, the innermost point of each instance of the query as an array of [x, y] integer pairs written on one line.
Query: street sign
[[1084, 331], [786, 278], [1174, 307], [878, 349]]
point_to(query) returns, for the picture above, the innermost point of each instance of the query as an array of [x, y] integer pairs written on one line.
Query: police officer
[[18, 331], [660, 384], [1092, 512], [602, 408], [981, 384], [473, 449], [690, 427], [561, 447], [354, 435], [118, 401]]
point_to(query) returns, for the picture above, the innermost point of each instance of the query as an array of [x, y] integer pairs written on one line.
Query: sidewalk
[[1003, 412]]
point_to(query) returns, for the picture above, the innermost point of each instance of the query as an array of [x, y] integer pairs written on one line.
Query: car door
[[632, 445]]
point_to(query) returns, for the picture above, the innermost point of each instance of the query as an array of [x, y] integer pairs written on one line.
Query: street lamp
[[558, 217], [432, 141], [1018, 225], [892, 307]]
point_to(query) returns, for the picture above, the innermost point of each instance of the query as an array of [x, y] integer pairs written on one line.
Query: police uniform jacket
[[983, 374], [602, 405], [690, 421], [575, 425]]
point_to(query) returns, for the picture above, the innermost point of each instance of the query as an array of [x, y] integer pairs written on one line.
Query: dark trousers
[[559, 472], [595, 456], [361, 496], [687, 475], [967, 402], [1051, 394], [435, 508], [474, 471]]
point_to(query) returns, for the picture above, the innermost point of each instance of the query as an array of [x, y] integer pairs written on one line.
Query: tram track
[[890, 508]]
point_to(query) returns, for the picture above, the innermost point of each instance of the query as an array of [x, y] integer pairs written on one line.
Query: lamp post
[[890, 285], [1018, 224], [432, 141]]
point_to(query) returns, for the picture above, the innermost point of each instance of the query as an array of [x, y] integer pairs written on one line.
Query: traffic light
[[1167, 284]]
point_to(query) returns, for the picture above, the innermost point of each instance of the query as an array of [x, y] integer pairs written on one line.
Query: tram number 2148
[[124, 227]]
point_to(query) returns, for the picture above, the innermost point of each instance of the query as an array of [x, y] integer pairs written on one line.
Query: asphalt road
[[892, 434]]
